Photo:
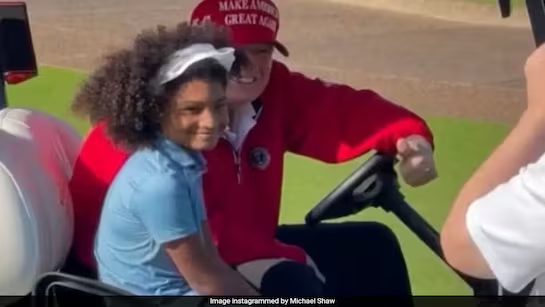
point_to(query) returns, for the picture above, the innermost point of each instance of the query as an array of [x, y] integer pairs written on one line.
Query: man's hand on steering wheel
[[416, 162]]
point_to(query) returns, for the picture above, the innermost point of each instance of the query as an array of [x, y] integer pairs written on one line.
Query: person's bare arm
[[523, 146], [175, 221], [210, 246], [203, 269]]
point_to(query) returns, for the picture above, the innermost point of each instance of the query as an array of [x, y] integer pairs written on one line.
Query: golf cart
[[36, 234], [36, 158]]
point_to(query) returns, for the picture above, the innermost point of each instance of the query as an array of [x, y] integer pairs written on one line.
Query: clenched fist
[[416, 162]]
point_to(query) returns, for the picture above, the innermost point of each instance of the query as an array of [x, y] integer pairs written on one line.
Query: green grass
[[51, 91], [461, 146], [516, 4]]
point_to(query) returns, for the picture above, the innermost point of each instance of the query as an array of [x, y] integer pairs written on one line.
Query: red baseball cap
[[249, 21]]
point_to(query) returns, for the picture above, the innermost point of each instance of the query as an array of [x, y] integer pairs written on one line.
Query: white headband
[[182, 59]]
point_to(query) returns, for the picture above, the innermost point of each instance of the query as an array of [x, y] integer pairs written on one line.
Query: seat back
[[37, 153]]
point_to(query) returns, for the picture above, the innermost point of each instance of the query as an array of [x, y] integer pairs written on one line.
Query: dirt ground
[[432, 65], [470, 11]]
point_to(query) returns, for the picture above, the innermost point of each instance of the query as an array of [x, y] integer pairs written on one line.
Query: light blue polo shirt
[[155, 198]]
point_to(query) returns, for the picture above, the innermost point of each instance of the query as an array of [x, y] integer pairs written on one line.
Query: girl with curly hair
[[164, 100]]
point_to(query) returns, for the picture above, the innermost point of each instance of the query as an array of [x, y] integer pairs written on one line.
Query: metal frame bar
[[536, 16]]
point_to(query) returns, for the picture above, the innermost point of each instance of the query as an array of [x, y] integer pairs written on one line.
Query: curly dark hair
[[119, 92]]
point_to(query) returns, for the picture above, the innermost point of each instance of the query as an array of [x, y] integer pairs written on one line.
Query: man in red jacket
[[274, 111]]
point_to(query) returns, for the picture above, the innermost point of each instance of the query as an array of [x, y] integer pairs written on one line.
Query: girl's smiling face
[[197, 116]]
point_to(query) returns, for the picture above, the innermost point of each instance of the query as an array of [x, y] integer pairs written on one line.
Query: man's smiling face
[[252, 79]]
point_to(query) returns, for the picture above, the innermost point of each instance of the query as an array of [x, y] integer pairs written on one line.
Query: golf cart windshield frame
[[536, 15]]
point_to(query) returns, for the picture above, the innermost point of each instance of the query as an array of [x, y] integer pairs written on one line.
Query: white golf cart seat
[[37, 152], [37, 155]]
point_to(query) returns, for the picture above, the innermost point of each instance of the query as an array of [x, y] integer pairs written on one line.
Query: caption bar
[[226, 301]]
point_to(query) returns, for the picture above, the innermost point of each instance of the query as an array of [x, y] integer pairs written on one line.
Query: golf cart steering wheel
[[357, 191], [374, 183]]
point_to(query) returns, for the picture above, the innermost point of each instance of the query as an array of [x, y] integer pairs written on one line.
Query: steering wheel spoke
[[368, 190], [357, 192]]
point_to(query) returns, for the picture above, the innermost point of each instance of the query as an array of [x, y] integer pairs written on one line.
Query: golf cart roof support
[[3, 95], [17, 57], [536, 15]]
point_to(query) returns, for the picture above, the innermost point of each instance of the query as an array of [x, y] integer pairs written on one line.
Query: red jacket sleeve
[[98, 162], [335, 123]]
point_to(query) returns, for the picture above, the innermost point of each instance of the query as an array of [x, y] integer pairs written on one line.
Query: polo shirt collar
[[184, 156]]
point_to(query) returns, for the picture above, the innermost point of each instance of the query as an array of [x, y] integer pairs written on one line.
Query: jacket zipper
[[236, 158], [238, 168], [236, 152]]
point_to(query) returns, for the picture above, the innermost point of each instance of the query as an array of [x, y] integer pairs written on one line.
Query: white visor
[[182, 59]]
